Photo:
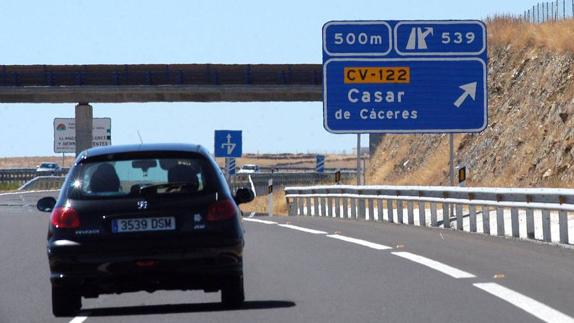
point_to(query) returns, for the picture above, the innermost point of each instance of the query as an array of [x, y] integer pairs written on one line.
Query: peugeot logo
[[142, 205]]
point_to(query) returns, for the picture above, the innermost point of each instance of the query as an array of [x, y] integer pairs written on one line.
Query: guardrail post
[[563, 224], [530, 223], [294, 206], [459, 223], [485, 219], [337, 207], [323, 206], [411, 212], [316, 206], [433, 221], [300, 203], [330, 206], [500, 221], [345, 208], [546, 225], [308, 206], [472, 211], [422, 214], [445, 215], [353, 208], [371, 210], [400, 212], [514, 222], [380, 210], [291, 206], [362, 209], [390, 215]]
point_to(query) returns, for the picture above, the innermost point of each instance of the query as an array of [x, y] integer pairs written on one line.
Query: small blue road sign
[[228, 143], [404, 76], [320, 164]]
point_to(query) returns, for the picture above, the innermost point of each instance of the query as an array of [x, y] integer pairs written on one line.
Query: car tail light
[[65, 218], [222, 210]]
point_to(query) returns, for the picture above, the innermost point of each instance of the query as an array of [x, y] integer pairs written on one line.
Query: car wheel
[[65, 302], [233, 294]]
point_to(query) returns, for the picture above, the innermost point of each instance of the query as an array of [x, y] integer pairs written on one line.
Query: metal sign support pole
[[358, 159], [451, 160]]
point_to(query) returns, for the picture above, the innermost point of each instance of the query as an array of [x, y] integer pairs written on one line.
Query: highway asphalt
[[303, 269]]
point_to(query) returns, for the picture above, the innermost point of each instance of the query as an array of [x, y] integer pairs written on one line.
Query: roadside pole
[[358, 159], [270, 196], [451, 160]]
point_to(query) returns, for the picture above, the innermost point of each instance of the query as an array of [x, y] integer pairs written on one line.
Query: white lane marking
[[79, 319], [533, 307], [27, 192], [445, 269], [259, 221], [294, 227], [360, 242]]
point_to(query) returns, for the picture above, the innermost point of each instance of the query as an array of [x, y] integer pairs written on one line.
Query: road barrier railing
[[539, 214]]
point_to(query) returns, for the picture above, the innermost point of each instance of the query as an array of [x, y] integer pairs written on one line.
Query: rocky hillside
[[529, 141]]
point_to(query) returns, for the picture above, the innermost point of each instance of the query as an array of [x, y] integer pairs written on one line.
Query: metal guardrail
[[260, 180], [21, 175], [540, 214], [41, 183]]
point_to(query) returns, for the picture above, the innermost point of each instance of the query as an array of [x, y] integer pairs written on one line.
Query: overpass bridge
[[160, 83]]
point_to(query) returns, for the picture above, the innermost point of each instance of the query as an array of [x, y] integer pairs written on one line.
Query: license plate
[[143, 224]]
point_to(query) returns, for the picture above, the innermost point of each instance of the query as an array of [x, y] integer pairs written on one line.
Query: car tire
[[65, 302], [233, 294]]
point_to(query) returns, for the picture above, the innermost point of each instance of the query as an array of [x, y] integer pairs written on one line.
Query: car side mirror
[[46, 204], [244, 195]]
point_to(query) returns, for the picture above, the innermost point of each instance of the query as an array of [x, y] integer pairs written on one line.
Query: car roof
[[117, 149]]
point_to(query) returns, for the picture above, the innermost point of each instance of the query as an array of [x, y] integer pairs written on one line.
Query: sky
[[172, 32]]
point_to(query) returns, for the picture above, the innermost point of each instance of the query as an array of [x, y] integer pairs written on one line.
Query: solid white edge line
[[294, 227], [531, 306], [360, 242], [79, 319], [445, 269], [259, 221]]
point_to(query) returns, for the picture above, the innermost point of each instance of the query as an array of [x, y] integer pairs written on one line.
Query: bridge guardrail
[[539, 214], [22, 175], [260, 180]]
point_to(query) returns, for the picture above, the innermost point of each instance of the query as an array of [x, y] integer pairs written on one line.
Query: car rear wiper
[[153, 188]]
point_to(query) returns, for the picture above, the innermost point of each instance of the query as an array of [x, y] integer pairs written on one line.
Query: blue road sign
[[228, 143], [320, 164], [423, 77]]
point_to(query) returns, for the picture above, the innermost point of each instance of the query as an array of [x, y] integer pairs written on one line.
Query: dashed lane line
[[294, 227], [79, 319], [360, 242], [443, 268], [531, 306], [259, 221]]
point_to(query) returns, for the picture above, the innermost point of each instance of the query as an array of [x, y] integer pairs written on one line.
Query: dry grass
[[259, 205], [556, 36]]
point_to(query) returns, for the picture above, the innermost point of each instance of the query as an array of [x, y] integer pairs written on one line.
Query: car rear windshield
[[131, 177]]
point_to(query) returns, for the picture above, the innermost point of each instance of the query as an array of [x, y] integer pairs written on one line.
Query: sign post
[[405, 77], [320, 164]]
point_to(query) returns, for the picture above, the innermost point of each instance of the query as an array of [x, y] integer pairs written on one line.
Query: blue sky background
[[170, 32]]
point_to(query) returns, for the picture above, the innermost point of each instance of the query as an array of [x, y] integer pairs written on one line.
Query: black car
[[144, 217]]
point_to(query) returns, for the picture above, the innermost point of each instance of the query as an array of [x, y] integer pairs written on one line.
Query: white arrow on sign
[[230, 146], [469, 90]]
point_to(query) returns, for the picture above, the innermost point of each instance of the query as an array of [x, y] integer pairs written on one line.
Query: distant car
[[248, 169], [47, 169], [144, 217]]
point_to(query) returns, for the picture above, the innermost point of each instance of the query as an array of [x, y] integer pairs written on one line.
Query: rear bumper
[[92, 272]]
